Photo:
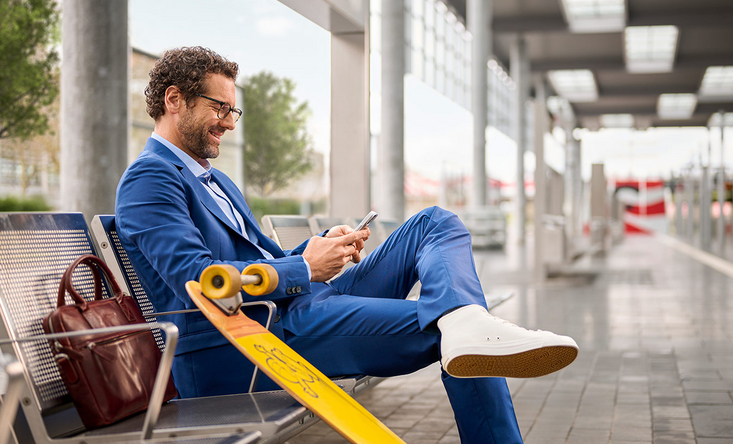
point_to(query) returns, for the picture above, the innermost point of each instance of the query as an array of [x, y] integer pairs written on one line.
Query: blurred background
[[568, 123]]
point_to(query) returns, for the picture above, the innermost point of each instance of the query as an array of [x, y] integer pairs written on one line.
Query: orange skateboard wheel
[[220, 281], [268, 279], [224, 281]]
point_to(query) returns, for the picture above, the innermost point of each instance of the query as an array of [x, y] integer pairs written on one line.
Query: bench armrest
[[14, 372]]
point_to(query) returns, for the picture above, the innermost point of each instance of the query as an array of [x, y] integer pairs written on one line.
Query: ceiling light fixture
[[650, 49], [676, 106], [714, 120], [576, 85], [717, 81], [591, 16], [617, 120]]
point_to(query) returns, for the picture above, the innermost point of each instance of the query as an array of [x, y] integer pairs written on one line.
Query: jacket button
[[277, 318], [289, 290], [298, 289]]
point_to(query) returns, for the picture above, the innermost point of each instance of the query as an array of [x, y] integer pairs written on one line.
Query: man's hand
[[342, 230], [328, 255]]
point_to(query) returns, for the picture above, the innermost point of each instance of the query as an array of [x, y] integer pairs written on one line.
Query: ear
[[174, 101]]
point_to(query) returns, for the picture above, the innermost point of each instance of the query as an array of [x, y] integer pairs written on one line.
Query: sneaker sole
[[529, 364]]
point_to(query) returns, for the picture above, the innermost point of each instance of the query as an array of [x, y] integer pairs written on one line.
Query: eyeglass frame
[[232, 109]]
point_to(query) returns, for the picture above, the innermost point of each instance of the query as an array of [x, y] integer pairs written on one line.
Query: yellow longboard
[[277, 360]]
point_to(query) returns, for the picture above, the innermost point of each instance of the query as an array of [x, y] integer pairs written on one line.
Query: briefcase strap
[[95, 264]]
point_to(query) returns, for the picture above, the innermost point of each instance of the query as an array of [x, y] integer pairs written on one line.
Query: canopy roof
[[704, 39]]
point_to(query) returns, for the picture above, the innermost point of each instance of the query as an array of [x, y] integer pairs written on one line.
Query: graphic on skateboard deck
[[276, 359]]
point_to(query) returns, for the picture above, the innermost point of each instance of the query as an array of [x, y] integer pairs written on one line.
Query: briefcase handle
[[95, 264]]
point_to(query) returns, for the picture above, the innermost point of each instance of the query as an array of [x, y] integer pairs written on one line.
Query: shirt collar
[[187, 160]]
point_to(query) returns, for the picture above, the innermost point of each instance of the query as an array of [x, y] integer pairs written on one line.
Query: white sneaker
[[475, 344]]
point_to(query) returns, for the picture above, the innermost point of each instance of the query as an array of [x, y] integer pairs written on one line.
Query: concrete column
[[94, 104], [721, 184], [705, 202], [678, 200], [571, 182], [349, 166], [598, 205], [540, 175], [519, 71], [577, 221], [690, 198], [721, 202], [479, 16], [391, 153]]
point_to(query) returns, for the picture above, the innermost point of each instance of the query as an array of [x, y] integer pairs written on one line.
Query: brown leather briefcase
[[109, 376]]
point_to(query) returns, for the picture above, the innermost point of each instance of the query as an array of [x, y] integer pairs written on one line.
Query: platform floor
[[655, 330]]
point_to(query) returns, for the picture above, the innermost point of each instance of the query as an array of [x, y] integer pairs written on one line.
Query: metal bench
[[319, 224], [108, 244], [35, 249], [287, 231]]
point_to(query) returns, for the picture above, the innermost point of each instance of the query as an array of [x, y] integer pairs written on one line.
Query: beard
[[195, 136]]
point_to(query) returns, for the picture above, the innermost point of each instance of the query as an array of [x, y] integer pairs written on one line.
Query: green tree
[[28, 62], [277, 146]]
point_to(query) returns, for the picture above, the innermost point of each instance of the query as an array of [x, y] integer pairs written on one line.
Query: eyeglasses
[[224, 109]]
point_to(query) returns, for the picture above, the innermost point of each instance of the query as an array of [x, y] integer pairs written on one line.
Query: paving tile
[[434, 425], [667, 412], [713, 421], [706, 397], [674, 438], [419, 437], [602, 422], [672, 425], [402, 421], [615, 441], [700, 384], [543, 440], [549, 431], [631, 433], [582, 435]]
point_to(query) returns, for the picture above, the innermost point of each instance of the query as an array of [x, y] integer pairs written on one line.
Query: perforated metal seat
[[287, 231], [323, 223], [35, 249]]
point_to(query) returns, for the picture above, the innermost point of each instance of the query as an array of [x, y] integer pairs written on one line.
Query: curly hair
[[187, 69]]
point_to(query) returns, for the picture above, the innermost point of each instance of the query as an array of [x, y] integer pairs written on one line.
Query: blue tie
[[205, 178]]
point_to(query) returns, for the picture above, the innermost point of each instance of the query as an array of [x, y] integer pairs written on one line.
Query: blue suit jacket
[[172, 229]]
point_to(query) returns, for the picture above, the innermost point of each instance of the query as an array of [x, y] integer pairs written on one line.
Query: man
[[176, 215]]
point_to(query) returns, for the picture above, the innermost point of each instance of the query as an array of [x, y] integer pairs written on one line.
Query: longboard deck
[[295, 375]]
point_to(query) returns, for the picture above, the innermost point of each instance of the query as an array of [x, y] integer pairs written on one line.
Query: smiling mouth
[[216, 136]]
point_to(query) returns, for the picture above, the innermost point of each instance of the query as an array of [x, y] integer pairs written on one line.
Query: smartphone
[[366, 221]]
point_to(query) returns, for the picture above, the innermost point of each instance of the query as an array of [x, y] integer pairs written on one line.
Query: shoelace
[[503, 321]]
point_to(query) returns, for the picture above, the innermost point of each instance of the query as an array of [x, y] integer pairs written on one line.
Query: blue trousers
[[361, 323]]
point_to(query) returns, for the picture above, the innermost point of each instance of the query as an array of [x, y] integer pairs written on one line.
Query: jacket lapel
[[198, 187], [235, 195]]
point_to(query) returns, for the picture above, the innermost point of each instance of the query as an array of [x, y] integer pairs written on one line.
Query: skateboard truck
[[222, 284]]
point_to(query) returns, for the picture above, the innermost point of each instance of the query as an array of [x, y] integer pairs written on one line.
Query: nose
[[228, 122]]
